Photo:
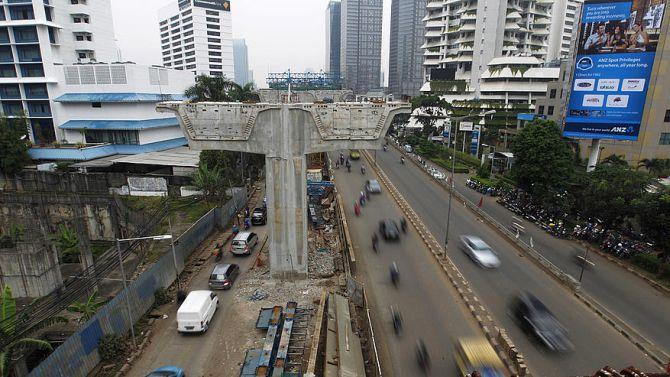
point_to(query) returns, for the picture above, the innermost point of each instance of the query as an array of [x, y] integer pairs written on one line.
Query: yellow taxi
[[354, 154], [477, 355]]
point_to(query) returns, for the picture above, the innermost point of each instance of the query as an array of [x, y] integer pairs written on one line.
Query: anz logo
[[622, 130], [585, 63]]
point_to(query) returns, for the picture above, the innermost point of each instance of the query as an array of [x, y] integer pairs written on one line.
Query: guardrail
[[508, 352], [659, 356]]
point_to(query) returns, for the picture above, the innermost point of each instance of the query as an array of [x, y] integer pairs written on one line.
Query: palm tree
[[655, 166], [211, 88], [17, 348], [615, 159], [246, 93], [67, 243], [88, 308]]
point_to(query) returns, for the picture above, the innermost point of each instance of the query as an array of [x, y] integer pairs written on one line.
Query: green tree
[[656, 166], [87, 308], [210, 181], [67, 243], [245, 93], [211, 88], [543, 164], [654, 217], [615, 159], [13, 145], [432, 100], [613, 193], [17, 348]]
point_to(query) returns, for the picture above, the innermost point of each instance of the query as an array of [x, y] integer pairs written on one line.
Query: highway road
[[626, 295], [596, 343], [431, 308]]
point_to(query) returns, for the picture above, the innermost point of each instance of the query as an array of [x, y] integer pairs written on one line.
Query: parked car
[[196, 312], [389, 230], [373, 186], [167, 371], [223, 275], [259, 216], [537, 320], [408, 148], [354, 154], [479, 251], [244, 243]]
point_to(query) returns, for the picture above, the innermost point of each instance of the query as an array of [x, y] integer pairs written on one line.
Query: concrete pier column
[[286, 191], [593, 156]]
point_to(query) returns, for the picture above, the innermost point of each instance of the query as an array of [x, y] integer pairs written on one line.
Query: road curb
[[564, 279], [514, 361]]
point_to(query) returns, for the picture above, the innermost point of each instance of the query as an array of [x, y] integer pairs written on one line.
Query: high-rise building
[[241, 62], [332, 63], [36, 36], [361, 44], [462, 38], [197, 35], [405, 54]]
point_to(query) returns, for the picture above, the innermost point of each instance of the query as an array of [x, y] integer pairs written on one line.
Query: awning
[[118, 97], [119, 125], [182, 156], [103, 162]]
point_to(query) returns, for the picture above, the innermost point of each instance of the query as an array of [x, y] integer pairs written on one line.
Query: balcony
[[84, 45], [435, 4]]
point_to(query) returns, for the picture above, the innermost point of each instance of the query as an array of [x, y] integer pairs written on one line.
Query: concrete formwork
[[285, 134]]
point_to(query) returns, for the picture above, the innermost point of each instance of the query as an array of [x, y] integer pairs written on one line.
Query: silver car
[[373, 186], [479, 251]]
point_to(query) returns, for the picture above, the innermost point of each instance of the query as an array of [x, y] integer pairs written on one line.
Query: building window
[[189, 53], [164, 22], [187, 33], [211, 13], [186, 13], [665, 138], [667, 116], [188, 47], [187, 19], [214, 66], [188, 40], [190, 60], [212, 19], [211, 26], [213, 33], [215, 73], [552, 93], [540, 110], [550, 110], [190, 66], [214, 53], [215, 60], [82, 55], [178, 49], [213, 40], [164, 41], [97, 105], [187, 26], [112, 137], [164, 28], [214, 47], [177, 56], [166, 52]]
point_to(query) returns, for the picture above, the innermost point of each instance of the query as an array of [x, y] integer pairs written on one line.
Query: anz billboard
[[223, 5], [615, 55]]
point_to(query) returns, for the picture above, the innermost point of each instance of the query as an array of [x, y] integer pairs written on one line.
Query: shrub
[[484, 171], [110, 347], [161, 297], [647, 262]]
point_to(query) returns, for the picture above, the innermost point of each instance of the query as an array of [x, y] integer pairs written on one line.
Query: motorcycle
[[402, 160], [375, 242], [396, 318], [395, 274], [363, 169], [422, 357], [386, 148]]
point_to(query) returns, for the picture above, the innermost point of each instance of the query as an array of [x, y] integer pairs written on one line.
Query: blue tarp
[[118, 124], [118, 97]]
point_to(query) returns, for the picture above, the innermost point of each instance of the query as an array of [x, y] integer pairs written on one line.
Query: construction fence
[[79, 354]]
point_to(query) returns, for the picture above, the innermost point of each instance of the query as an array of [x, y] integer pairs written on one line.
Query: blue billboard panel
[[615, 55], [474, 144]]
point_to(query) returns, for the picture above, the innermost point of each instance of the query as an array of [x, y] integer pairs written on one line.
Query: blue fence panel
[[90, 336]]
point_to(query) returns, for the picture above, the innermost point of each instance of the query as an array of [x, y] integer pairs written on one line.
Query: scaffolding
[[304, 81]]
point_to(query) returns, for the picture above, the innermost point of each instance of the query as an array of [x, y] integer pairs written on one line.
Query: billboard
[[474, 144], [213, 4], [615, 54]]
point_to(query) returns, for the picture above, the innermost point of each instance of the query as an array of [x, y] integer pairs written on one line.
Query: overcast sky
[[279, 34]]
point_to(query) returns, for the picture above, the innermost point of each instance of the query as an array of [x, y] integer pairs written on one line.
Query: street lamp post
[[453, 168], [123, 275]]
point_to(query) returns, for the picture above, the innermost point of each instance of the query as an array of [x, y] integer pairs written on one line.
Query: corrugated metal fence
[[79, 354]]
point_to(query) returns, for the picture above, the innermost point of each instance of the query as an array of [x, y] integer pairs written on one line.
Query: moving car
[[476, 354], [196, 312], [244, 243], [479, 251], [373, 186], [537, 320], [389, 230], [167, 371], [259, 216], [354, 154], [223, 275]]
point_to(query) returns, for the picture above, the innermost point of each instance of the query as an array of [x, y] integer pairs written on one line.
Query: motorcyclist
[[422, 356], [375, 242], [402, 160], [362, 168], [395, 273], [341, 158], [348, 163], [396, 317], [386, 147], [403, 225]]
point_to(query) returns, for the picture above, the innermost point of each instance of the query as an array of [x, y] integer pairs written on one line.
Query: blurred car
[[537, 320], [259, 216], [354, 154], [373, 186], [389, 230], [438, 174], [479, 251], [167, 371]]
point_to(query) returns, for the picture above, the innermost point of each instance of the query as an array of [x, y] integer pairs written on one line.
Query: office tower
[[241, 62], [332, 62], [405, 53], [360, 44]]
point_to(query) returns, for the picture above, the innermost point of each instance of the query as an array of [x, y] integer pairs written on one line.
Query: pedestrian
[[357, 208]]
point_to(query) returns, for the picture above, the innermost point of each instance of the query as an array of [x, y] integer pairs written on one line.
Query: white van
[[196, 312]]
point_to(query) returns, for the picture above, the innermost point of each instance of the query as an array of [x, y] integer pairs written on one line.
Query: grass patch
[[459, 168]]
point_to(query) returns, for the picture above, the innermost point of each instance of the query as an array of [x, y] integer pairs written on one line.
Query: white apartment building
[[197, 36], [35, 37], [468, 41]]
